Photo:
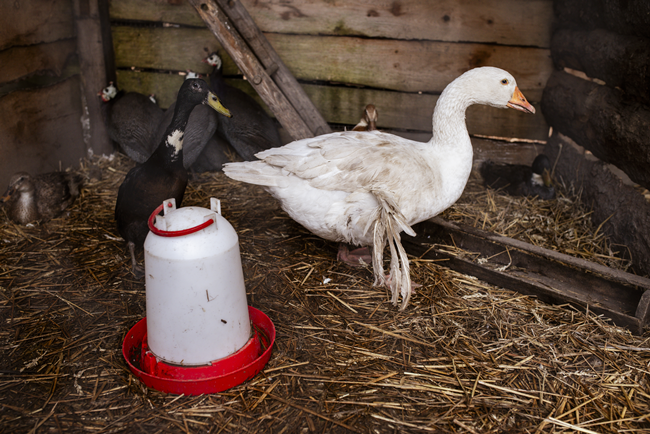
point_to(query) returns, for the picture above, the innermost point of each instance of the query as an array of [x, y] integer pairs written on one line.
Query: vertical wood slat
[[92, 64], [259, 62]]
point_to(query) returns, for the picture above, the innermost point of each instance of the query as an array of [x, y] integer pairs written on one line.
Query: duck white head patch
[[175, 139]]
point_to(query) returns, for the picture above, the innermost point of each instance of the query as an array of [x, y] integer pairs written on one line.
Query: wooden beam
[[275, 66], [551, 276], [258, 61], [94, 77]]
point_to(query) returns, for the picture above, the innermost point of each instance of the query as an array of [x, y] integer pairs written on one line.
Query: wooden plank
[[506, 22], [551, 276], [49, 58], [274, 66], [617, 205], [41, 129], [225, 31], [344, 105], [407, 66], [602, 120], [29, 22], [94, 76], [174, 49], [618, 60]]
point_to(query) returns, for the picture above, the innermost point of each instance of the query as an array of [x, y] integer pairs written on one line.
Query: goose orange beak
[[519, 102]]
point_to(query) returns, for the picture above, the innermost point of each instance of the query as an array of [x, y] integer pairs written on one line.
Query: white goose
[[364, 188]]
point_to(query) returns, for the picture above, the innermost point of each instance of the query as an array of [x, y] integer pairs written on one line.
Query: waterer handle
[[187, 231]]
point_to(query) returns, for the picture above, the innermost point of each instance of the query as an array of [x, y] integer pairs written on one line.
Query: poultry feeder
[[199, 335]]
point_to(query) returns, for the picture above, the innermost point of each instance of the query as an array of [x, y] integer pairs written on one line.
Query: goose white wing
[[347, 162]]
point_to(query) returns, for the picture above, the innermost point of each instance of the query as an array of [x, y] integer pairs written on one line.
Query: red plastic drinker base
[[220, 375]]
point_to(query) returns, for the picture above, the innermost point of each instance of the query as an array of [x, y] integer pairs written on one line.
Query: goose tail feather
[[388, 225]]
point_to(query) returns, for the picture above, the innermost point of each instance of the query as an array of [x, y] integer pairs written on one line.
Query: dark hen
[[132, 120]]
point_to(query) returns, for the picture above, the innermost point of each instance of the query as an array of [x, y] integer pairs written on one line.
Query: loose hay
[[464, 357]]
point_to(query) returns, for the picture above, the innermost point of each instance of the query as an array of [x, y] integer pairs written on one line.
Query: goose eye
[[504, 81]]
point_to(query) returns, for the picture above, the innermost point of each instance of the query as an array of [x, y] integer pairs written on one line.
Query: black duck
[[520, 180], [163, 175]]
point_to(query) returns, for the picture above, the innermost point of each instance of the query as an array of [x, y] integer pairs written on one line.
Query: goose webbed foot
[[357, 257]]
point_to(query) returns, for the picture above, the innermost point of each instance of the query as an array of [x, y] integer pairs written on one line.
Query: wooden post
[[239, 35], [94, 75]]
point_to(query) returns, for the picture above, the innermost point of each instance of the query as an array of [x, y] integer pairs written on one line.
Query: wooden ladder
[[236, 31]]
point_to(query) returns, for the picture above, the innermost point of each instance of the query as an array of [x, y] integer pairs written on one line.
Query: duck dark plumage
[[250, 130], [201, 126], [213, 156], [163, 175], [520, 180], [41, 197], [132, 120]]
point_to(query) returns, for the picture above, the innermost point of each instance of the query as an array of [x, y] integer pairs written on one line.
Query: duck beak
[[214, 102], [519, 102], [7, 195]]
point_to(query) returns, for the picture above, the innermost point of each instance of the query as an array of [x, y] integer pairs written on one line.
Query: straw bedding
[[464, 357]]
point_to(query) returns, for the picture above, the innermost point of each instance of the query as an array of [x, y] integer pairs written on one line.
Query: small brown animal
[[41, 197]]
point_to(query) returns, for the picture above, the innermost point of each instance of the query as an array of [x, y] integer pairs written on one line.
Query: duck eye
[[504, 81]]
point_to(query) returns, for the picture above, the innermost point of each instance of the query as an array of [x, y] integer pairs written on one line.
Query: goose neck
[[449, 114]]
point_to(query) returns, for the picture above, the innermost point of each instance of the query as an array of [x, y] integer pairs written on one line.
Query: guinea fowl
[[520, 180], [163, 175], [41, 197], [132, 120], [201, 126], [366, 187], [251, 130]]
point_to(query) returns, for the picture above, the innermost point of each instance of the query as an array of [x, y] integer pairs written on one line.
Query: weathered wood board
[[43, 132], [406, 66], [22, 62], [551, 276], [29, 22], [513, 22]]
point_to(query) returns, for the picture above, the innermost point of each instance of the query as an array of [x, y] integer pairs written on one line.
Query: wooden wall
[[397, 54], [39, 88], [44, 90]]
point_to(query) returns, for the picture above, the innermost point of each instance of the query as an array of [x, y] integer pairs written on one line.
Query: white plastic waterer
[[196, 298]]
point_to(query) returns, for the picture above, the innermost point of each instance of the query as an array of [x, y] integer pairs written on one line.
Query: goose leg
[[138, 270], [359, 257]]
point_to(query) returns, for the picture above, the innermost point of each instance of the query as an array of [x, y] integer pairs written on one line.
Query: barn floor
[[464, 357]]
